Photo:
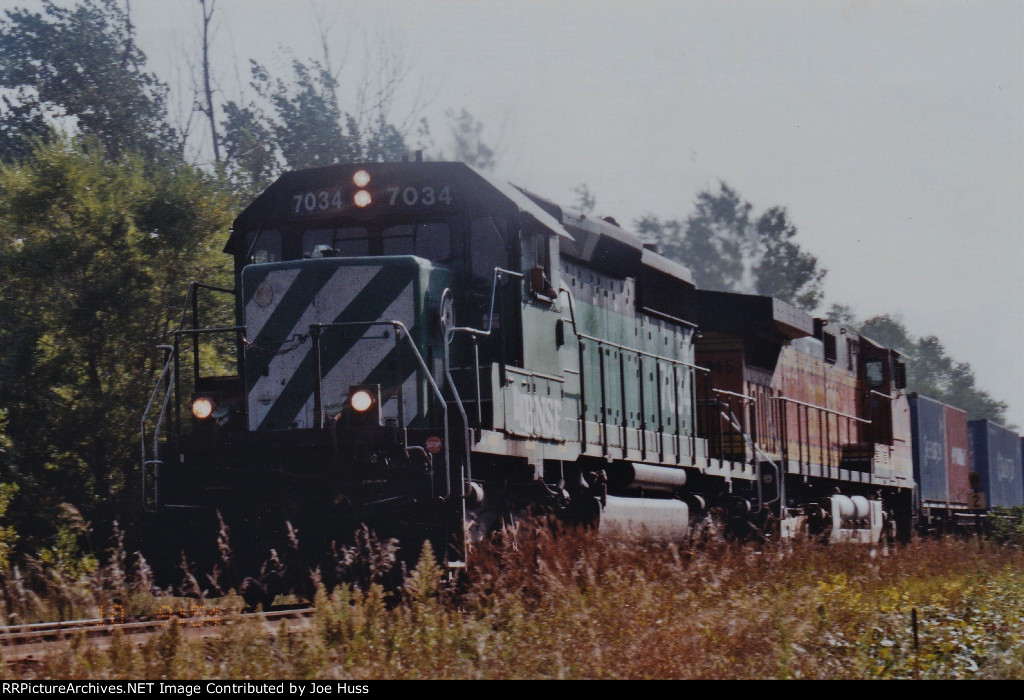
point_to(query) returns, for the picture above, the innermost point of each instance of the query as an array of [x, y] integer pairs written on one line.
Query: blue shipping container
[[928, 428], [996, 456]]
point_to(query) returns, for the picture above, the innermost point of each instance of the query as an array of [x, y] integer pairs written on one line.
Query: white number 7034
[[411, 196]]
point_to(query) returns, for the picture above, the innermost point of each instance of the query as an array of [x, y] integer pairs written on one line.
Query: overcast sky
[[890, 129]]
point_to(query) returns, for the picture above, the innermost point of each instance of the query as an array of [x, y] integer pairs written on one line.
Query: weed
[[548, 602]]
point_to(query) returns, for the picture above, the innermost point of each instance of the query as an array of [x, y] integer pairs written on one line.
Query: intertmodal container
[[958, 461], [928, 427], [996, 457]]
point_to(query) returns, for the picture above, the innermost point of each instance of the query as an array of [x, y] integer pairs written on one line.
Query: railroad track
[[26, 643]]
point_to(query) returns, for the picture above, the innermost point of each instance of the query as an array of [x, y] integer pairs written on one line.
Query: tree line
[[104, 220], [731, 248]]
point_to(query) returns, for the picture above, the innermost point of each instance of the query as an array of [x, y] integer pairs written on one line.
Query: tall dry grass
[[549, 603]]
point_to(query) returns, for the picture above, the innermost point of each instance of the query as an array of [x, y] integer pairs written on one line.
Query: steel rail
[[20, 642]]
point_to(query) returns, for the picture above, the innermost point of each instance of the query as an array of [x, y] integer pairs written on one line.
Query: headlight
[[361, 178], [361, 401], [362, 199], [202, 407]]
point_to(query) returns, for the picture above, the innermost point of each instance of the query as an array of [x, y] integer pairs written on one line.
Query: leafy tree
[[96, 256], [22, 126], [301, 125], [309, 128], [469, 146], [887, 330], [81, 64], [727, 249], [783, 270], [383, 142], [715, 239], [653, 230], [841, 315], [250, 155]]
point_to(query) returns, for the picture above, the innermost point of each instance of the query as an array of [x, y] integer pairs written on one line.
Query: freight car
[[942, 465], [422, 348], [996, 459]]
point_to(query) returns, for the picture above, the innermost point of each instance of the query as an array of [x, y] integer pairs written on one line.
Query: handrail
[[498, 272], [538, 375], [831, 455], [752, 399], [167, 373], [403, 331], [191, 293], [672, 362], [668, 317], [755, 449], [626, 348], [211, 287], [203, 331], [821, 408], [476, 333]]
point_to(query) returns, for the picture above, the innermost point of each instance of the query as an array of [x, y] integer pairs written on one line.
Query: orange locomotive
[[817, 410]]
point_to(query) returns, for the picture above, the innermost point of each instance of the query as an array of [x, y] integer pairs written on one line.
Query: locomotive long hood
[[748, 313]]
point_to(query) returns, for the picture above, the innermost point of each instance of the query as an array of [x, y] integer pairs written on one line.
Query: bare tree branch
[[208, 7]]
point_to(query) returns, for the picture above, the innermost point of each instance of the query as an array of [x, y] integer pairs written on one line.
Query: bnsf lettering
[[536, 414]]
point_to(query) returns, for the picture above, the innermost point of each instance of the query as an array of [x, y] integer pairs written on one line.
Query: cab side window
[[488, 247], [263, 246], [538, 253], [874, 374]]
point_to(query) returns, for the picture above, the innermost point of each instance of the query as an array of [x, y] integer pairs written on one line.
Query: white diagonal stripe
[[256, 316], [362, 358], [327, 305]]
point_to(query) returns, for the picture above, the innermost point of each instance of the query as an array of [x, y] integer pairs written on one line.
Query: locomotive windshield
[[427, 240], [344, 241], [430, 240]]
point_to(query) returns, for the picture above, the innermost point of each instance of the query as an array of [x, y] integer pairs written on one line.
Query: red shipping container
[[957, 455]]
